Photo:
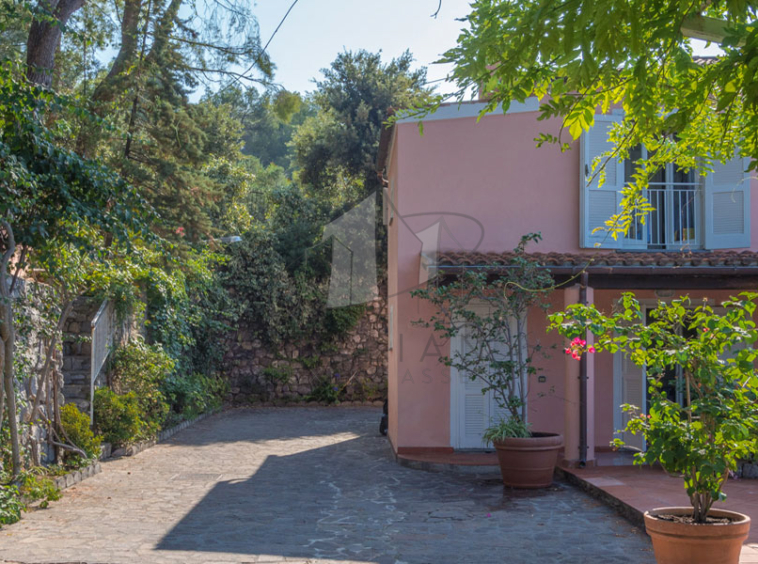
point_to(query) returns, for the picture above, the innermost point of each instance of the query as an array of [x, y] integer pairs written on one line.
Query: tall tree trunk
[[164, 27], [44, 37], [8, 336], [127, 54]]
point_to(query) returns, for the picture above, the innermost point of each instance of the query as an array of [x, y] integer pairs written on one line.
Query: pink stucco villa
[[463, 193]]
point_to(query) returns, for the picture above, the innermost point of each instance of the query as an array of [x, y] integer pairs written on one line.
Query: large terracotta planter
[[682, 543], [530, 462]]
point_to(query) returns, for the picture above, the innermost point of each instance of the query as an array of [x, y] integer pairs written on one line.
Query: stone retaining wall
[[352, 369], [30, 302]]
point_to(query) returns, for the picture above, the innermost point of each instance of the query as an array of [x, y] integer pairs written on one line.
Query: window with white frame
[[690, 211], [677, 220]]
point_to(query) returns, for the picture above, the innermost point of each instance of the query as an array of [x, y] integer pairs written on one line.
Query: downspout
[[584, 282]]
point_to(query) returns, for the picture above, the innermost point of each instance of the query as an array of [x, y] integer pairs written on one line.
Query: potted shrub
[[497, 353], [703, 437]]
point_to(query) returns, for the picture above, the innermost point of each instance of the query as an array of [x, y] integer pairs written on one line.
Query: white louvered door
[[472, 412], [473, 406], [632, 392]]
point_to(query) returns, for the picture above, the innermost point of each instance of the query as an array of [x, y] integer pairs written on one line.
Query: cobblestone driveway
[[309, 485]]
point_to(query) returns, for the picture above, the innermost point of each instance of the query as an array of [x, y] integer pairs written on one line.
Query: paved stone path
[[309, 485]]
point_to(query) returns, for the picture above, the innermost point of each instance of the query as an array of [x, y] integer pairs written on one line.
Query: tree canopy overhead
[[336, 149], [582, 57]]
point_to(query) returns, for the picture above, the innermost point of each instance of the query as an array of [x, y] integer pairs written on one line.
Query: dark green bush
[[117, 417], [190, 396], [141, 368], [76, 426], [326, 389], [339, 321]]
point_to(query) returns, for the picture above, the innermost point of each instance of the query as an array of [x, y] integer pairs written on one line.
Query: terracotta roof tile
[[669, 259]]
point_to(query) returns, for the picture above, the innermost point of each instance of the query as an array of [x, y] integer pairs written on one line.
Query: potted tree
[[497, 353], [702, 436]]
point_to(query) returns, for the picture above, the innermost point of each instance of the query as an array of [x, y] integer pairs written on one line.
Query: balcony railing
[[676, 221]]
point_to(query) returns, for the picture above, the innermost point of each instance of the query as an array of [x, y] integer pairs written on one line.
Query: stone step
[[80, 377], [76, 363]]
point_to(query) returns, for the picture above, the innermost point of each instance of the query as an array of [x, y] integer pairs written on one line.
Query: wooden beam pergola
[[705, 29]]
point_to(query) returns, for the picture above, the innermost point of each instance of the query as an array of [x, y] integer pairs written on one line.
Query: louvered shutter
[[633, 392], [727, 205], [599, 203], [475, 416]]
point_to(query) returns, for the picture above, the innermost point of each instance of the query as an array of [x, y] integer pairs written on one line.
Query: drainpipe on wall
[[584, 282]]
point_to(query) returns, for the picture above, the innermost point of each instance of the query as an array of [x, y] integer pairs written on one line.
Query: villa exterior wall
[[488, 184]]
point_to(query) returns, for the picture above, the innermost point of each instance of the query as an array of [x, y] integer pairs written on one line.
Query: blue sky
[[316, 31]]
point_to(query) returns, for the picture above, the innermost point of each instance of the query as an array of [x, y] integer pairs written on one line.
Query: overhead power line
[[265, 47], [276, 30]]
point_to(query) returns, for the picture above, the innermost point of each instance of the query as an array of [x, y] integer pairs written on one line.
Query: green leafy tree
[[586, 56], [335, 151], [46, 192], [268, 120], [716, 425], [495, 352]]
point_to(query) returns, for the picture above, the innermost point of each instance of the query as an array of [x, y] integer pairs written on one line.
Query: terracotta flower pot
[[530, 462], [684, 543]]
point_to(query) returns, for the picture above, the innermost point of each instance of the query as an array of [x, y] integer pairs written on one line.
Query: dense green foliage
[[11, 505], [117, 417], [268, 120], [76, 428], [336, 149], [586, 56], [49, 191], [142, 369], [703, 437], [35, 485], [192, 395], [119, 183]]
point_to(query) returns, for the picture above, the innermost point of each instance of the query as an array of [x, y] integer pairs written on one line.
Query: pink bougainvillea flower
[[568, 351], [591, 349]]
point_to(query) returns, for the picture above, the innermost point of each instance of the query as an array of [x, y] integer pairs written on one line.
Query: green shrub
[[10, 505], [76, 426], [117, 417], [141, 369], [277, 375], [36, 485], [326, 389], [310, 362], [190, 396], [340, 321]]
